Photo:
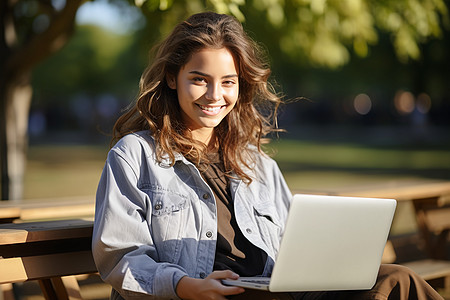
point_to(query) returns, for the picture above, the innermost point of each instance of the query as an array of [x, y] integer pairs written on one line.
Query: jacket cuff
[[166, 282], [161, 286]]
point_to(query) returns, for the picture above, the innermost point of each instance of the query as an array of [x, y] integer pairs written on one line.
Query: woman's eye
[[198, 80], [229, 83]]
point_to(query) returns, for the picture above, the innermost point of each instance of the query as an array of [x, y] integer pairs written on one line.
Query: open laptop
[[329, 243]]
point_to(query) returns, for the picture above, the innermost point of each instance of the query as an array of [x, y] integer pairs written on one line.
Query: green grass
[[63, 171], [321, 165], [348, 155], [66, 170], [74, 171]]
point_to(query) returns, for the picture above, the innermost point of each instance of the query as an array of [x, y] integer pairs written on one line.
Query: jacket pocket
[[168, 203], [168, 218]]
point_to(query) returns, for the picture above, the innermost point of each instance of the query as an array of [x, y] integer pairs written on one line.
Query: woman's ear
[[171, 81]]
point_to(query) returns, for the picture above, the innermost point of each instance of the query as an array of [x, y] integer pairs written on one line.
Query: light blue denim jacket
[[155, 224]]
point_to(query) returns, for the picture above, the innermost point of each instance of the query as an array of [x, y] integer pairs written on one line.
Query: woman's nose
[[214, 92]]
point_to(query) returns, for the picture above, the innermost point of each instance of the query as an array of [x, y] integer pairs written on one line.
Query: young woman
[[187, 197]]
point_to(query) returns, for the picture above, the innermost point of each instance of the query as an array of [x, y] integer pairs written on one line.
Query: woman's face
[[207, 88]]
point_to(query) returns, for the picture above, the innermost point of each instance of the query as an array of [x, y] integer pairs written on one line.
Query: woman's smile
[[211, 110]]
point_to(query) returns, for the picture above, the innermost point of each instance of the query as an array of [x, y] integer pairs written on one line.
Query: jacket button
[[202, 275], [158, 205], [209, 234], [248, 230], [206, 196]]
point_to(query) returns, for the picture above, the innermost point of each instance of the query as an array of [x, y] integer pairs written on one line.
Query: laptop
[[329, 243]]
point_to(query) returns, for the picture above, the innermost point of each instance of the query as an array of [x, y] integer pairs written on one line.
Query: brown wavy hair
[[157, 108]]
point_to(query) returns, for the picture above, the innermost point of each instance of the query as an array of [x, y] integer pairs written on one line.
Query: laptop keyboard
[[256, 280]]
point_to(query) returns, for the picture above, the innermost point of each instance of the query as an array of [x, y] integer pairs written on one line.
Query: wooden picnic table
[[47, 252], [52, 252], [9, 213], [46, 209], [431, 202]]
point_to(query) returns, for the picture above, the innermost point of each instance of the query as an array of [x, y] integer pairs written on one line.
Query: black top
[[233, 252]]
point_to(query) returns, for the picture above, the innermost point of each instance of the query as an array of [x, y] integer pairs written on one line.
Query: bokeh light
[[404, 102], [423, 103], [362, 104]]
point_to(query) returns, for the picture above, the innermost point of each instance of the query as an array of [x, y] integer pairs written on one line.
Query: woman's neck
[[207, 136]]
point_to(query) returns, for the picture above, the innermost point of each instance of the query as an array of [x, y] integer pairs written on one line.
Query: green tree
[[324, 32], [30, 31], [91, 61]]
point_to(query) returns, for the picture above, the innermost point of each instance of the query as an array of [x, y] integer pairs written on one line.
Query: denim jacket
[[155, 223]]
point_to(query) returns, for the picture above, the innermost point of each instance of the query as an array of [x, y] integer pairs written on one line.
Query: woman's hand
[[208, 288]]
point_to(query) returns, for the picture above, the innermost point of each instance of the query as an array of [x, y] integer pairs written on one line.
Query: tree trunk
[[18, 99], [3, 143], [17, 59]]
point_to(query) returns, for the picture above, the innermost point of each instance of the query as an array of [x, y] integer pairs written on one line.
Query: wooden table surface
[[39, 250], [431, 201]]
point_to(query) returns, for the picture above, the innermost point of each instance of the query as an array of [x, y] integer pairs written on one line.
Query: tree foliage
[[327, 32], [92, 61]]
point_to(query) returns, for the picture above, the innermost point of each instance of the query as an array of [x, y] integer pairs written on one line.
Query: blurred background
[[366, 86]]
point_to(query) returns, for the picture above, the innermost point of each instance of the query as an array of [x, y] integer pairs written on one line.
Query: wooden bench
[[49, 252], [52, 252], [431, 202], [9, 214], [435, 272], [46, 209]]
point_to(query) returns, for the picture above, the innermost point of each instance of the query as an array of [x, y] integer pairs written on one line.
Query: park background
[[351, 119]]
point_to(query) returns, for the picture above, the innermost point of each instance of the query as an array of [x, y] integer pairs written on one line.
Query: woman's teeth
[[210, 108]]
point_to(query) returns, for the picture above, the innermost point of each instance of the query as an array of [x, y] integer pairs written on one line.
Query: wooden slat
[[42, 209], [6, 290], [418, 191], [438, 219], [9, 212], [430, 269], [12, 270], [57, 212], [68, 285], [61, 288], [389, 255], [401, 191], [46, 266], [44, 231]]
